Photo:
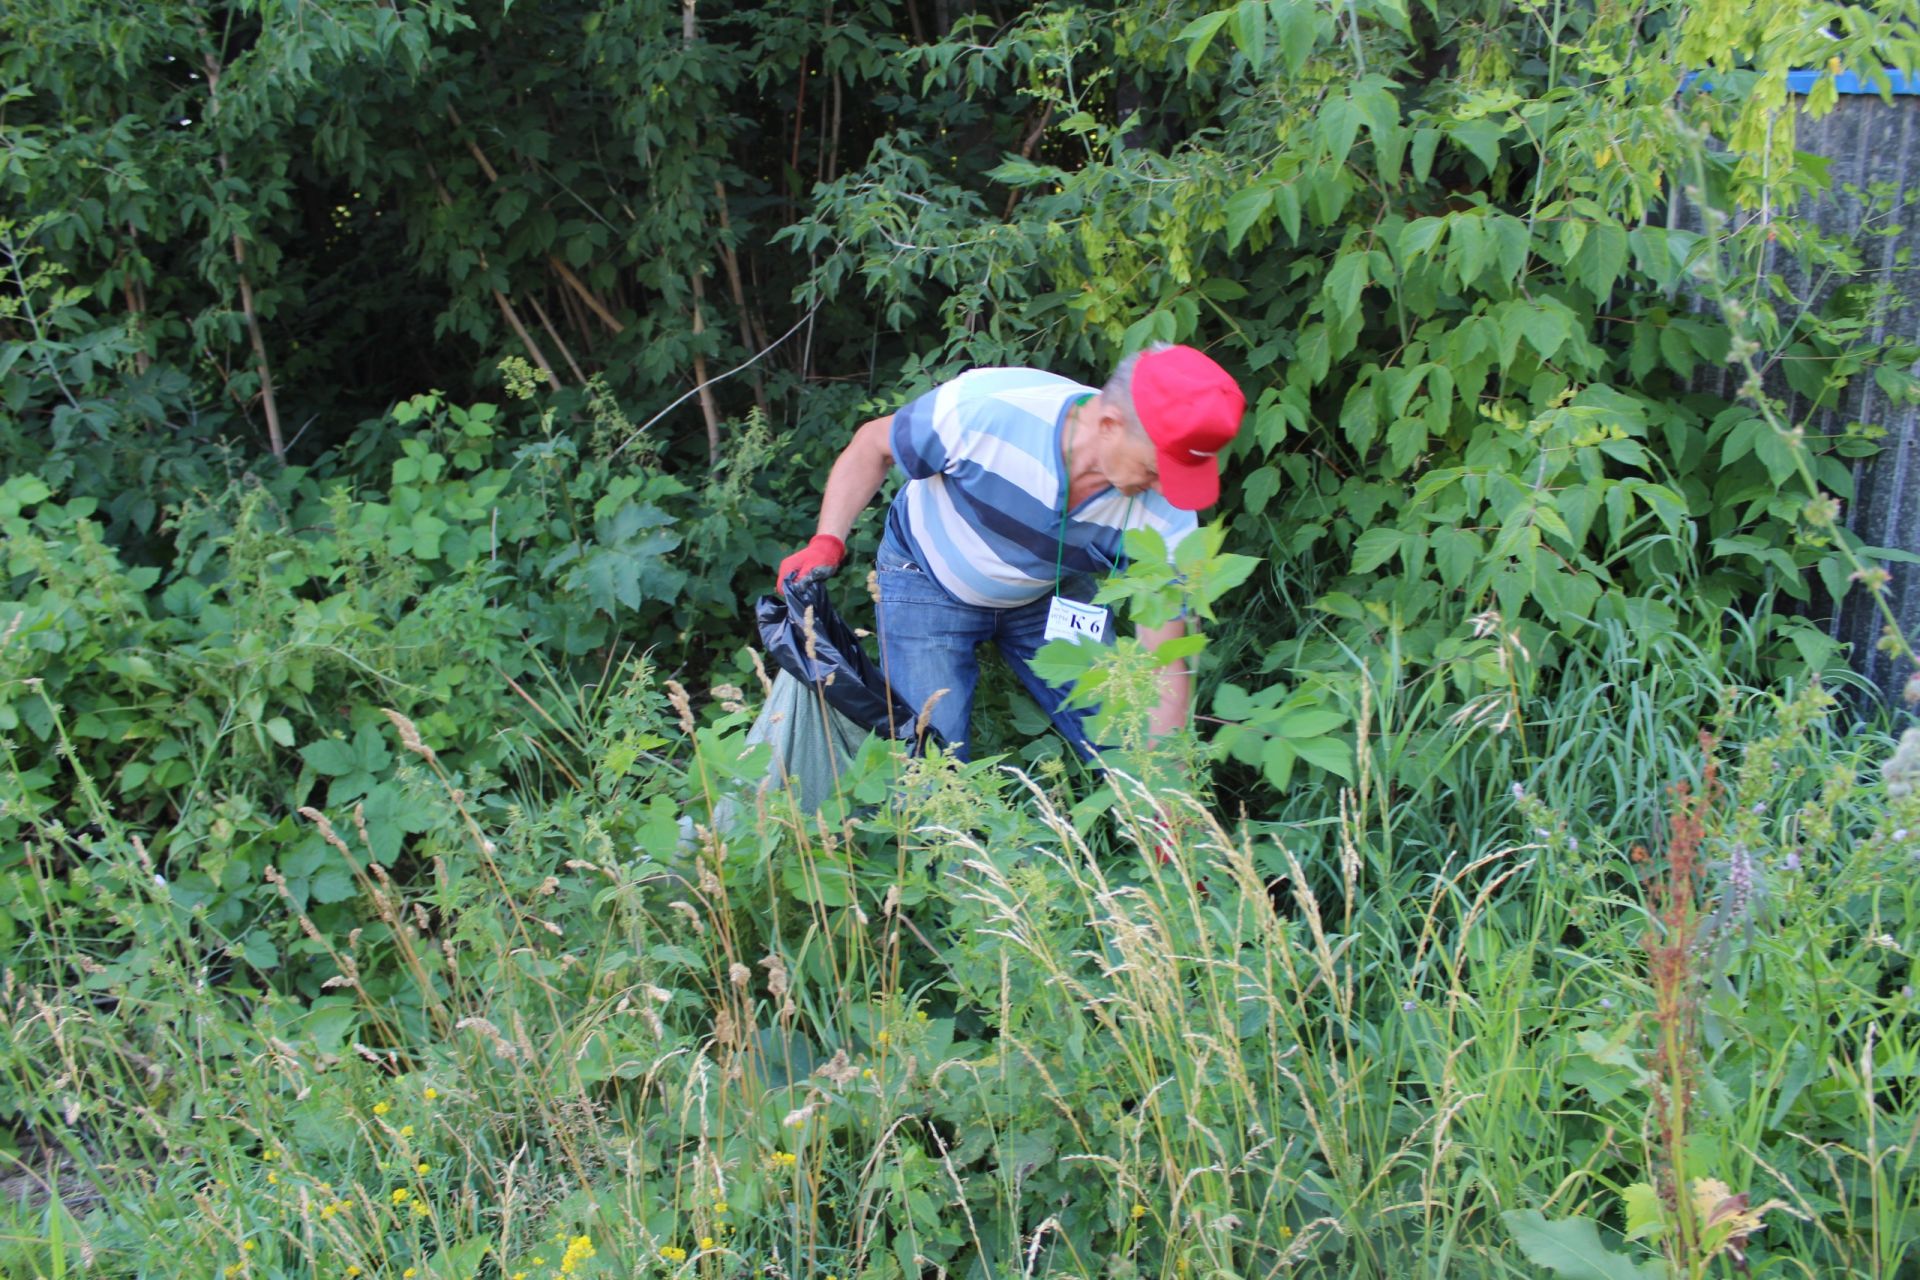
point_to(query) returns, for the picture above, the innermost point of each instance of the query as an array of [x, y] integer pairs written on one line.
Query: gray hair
[[1118, 390]]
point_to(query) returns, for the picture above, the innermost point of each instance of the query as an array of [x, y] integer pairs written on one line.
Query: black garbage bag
[[839, 667]]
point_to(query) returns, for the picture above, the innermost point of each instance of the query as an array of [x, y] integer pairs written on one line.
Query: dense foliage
[[394, 394]]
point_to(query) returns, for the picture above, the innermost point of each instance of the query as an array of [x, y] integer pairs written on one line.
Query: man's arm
[[1176, 682], [857, 475]]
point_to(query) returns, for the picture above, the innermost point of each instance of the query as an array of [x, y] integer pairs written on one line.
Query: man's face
[[1127, 458]]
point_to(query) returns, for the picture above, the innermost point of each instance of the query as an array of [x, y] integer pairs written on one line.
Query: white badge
[[1069, 620]]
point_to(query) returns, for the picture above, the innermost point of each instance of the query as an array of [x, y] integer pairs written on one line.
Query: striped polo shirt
[[981, 507]]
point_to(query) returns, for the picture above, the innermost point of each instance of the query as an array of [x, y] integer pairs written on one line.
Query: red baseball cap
[[1191, 408]]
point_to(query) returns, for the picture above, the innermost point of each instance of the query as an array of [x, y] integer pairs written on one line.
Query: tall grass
[[972, 1027]]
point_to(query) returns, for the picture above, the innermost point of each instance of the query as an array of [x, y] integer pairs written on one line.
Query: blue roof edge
[[1847, 82]]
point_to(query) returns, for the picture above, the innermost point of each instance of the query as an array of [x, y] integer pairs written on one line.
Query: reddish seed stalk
[[1671, 947]]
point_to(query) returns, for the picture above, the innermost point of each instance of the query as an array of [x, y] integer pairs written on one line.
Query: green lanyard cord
[[1066, 481], [1066, 490]]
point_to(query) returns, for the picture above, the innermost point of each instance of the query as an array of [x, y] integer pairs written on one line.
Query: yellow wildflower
[[246, 1246], [352, 1272], [579, 1249], [406, 1131], [519, 1275], [539, 1261], [867, 1074], [270, 1155], [273, 1179], [785, 1159], [673, 1253], [920, 1014], [381, 1108], [432, 1093], [423, 1167], [400, 1195], [1139, 1212], [882, 1038], [408, 1274], [720, 1206], [419, 1209], [327, 1211], [706, 1242]]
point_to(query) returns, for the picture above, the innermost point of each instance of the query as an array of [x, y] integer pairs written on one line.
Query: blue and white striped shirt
[[981, 507]]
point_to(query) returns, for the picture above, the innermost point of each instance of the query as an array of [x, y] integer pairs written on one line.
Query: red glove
[[818, 559]]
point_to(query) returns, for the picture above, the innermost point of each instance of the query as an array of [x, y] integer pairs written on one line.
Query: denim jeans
[[928, 642]]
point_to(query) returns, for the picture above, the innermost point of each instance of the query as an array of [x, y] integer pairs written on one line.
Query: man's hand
[[818, 559]]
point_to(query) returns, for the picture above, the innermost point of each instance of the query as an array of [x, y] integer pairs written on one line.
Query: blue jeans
[[928, 642]]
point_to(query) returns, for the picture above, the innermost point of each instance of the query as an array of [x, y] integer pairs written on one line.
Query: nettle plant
[[1442, 247]]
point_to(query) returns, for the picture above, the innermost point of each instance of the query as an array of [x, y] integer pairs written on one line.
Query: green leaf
[[1276, 762], [1200, 33], [1645, 1215], [1602, 257], [1360, 415], [1381, 112], [281, 731], [1775, 453], [1510, 244], [1302, 26], [259, 951], [329, 1020], [1340, 605], [1305, 722], [1335, 755], [390, 815], [1546, 327], [1314, 355], [1146, 546], [330, 757], [1061, 662], [1480, 138], [1345, 282], [1250, 32], [1339, 122], [1286, 206], [1456, 552], [332, 884], [1374, 548], [22, 491], [1420, 153], [1180, 648], [1469, 248], [1244, 208], [1406, 440], [1259, 489], [1570, 1248], [1418, 238]]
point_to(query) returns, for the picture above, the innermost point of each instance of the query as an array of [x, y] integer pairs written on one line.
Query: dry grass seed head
[[409, 735]]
